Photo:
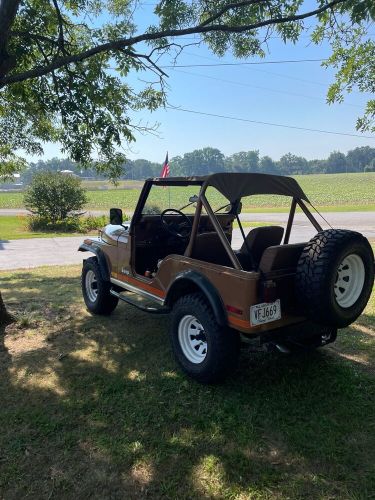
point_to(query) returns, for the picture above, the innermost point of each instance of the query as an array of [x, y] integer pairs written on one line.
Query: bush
[[151, 209], [370, 167], [69, 225], [54, 197]]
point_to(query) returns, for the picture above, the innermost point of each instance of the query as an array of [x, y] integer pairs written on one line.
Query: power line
[[320, 84], [259, 87], [226, 117], [241, 63]]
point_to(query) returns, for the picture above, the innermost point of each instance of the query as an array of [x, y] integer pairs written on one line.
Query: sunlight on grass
[[142, 471], [209, 475], [15, 228], [100, 399]]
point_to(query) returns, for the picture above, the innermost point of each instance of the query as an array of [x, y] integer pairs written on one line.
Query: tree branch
[[8, 11], [126, 42], [60, 23], [228, 7], [32, 36]]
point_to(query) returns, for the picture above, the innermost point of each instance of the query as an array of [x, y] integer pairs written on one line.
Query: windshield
[[162, 197]]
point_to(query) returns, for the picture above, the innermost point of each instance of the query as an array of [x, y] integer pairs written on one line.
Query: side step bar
[[152, 310]]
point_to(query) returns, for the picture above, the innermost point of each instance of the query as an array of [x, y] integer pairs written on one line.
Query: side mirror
[[193, 199], [115, 216]]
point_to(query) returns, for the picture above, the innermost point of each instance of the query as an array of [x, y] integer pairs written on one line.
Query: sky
[[290, 94]]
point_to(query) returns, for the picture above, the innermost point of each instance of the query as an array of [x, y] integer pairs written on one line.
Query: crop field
[[105, 185], [94, 407], [347, 192]]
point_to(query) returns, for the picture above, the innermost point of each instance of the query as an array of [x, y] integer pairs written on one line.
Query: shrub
[[370, 167], [69, 225], [54, 196], [151, 209]]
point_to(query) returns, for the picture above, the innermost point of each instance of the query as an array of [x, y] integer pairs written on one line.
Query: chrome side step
[[149, 309]]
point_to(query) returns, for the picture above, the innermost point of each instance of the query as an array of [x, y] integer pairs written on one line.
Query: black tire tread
[[223, 360], [106, 303], [313, 267]]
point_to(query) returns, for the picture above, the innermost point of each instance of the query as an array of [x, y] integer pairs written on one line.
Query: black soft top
[[236, 185]]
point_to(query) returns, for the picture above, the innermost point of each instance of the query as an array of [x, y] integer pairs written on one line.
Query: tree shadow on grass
[[94, 407]]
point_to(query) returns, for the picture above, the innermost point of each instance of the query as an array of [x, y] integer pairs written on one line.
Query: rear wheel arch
[[190, 282]]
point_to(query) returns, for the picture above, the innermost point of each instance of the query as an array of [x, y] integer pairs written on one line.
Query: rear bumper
[[295, 332]]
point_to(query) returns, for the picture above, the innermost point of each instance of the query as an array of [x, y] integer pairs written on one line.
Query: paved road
[[58, 251], [302, 230], [37, 252]]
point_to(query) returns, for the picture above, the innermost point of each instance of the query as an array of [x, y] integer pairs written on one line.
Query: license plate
[[265, 313]]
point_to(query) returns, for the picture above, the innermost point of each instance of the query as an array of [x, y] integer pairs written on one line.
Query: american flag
[[165, 170]]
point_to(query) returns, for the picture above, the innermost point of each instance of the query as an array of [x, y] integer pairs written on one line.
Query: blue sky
[[288, 94]]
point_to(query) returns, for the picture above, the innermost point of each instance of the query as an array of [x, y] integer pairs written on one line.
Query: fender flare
[[185, 280], [102, 261]]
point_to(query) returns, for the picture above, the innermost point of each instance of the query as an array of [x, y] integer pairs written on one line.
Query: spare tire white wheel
[[335, 276]]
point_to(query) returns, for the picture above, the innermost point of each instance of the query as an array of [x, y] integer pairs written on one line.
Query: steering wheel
[[180, 229]]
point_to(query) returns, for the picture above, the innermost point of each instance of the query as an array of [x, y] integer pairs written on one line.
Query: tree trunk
[[5, 317]]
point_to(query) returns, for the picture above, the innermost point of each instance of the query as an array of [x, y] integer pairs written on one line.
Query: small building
[[68, 172]]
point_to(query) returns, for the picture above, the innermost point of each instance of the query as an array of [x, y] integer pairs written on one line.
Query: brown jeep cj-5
[[186, 261]]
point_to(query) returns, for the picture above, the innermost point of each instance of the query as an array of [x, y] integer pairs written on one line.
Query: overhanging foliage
[[65, 65]]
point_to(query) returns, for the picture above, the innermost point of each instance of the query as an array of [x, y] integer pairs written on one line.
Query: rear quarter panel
[[238, 289]]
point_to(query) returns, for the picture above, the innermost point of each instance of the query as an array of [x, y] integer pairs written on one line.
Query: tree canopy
[[65, 64], [208, 160]]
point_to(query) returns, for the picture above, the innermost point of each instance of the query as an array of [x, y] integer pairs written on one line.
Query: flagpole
[[164, 174], [169, 189]]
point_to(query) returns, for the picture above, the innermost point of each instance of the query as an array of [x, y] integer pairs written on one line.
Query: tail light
[[269, 291]]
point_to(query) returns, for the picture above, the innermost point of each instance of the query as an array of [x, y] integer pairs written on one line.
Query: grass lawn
[[334, 192], [94, 407], [14, 228]]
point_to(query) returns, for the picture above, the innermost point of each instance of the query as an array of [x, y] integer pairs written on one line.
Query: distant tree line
[[207, 160]]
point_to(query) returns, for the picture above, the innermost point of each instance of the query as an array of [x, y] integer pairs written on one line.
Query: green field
[[336, 192], [94, 407]]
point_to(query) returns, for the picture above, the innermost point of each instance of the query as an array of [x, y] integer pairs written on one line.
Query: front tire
[[205, 350], [95, 290]]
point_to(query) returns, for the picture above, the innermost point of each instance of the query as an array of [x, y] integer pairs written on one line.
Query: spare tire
[[335, 275]]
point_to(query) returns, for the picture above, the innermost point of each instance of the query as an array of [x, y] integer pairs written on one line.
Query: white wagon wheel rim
[[192, 339], [349, 282], [91, 285]]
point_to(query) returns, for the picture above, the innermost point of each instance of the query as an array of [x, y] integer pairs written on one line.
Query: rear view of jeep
[[188, 251]]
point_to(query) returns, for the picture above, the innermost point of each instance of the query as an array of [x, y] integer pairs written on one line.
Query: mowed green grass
[[347, 192], [15, 228], [94, 407]]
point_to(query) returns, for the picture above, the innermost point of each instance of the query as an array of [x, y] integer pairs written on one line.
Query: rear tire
[[205, 350], [95, 290], [335, 275]]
